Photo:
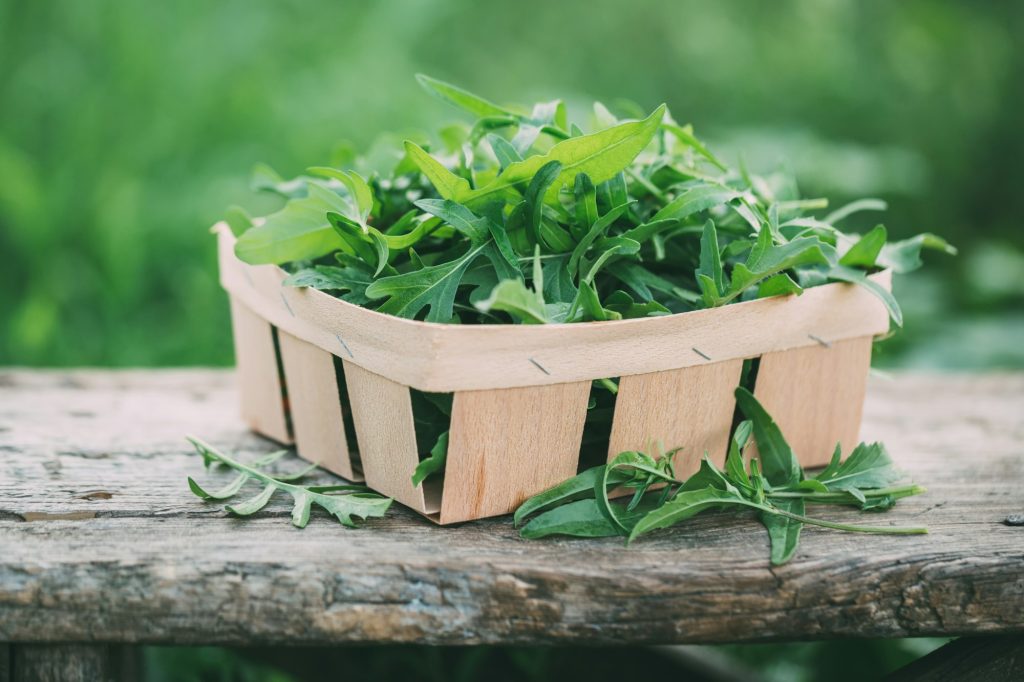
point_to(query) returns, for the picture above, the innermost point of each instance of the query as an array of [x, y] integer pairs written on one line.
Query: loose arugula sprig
[[774, 485], [342, 501]]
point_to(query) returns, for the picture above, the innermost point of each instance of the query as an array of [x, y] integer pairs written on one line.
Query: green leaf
[[586, 204], [905, 256], [783, 531], [685, 135], [598, 229], [709, 272], [734, 468], [237, 219], [779, 285], [534, 196], [582, 518], [434, 286], [503, 151], [577, 487], [512, 296], [622, 303], [299, 231], [864, 252], [253, 504], [695, 200], [434, 463], [465, 222], [777, 459], [854, 207], [227, 491], [448, 184], [474, 104], [344, 502], [845, 274], [868, 466], [767, 259], [601, 156], [353, 278], [358, 190], [685, 505]]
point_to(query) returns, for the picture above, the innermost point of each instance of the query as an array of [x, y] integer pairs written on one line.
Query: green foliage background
[[126, 128]]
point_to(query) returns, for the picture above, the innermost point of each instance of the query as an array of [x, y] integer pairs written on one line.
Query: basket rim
[[426, 351]]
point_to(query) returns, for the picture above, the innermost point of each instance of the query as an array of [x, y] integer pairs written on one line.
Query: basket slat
[[508, 444], [689, 408], [317, 416], [382, 412], [816, 396], [259, 382]]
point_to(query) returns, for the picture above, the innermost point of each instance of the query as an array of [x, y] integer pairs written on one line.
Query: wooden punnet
[[521, 391]]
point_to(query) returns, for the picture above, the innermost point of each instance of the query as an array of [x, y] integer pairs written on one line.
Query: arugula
[[634, 218], [774, 486], [342, 501]]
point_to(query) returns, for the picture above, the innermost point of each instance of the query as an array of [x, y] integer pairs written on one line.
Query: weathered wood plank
[[134, 557]]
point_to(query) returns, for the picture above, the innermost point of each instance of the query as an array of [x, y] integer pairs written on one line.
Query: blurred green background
[[126, 128]]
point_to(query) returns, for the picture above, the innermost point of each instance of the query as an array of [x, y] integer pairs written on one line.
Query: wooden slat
[[689, 408], [816, 396], [315, 403], [508, 444], [448, 357], [259, 381], [382, 411]]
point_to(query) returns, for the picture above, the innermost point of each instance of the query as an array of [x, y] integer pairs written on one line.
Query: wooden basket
[[336, 379]]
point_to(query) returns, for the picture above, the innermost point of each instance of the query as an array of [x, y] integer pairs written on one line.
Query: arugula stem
[[235, 464], [876, 530], [896, 492]]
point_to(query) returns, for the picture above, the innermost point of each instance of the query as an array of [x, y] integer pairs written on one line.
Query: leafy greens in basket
[[522, 216]]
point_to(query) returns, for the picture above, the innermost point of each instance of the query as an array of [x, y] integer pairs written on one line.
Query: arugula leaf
[[777, 458], [905, 256], [696, 199], [299, 231], [844, 274], [601, 156], [783, 531], [433, 286], [865, 251], [434, 463], [353, 279], [474, 104], [343, 501]]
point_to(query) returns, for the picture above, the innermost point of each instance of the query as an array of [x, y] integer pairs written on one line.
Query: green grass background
[[127, 127]]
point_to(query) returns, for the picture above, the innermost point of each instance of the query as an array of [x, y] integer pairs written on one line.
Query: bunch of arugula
[[523, 217], [774, 485]]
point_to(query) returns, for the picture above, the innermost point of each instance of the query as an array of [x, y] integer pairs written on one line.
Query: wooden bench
[[101, 542]]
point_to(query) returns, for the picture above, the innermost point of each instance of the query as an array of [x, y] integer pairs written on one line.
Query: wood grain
[[508, 444], [448, 357], [259, 382], [315, 403], [816, 396], [688, 408], [150, 562], [382, 411]]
